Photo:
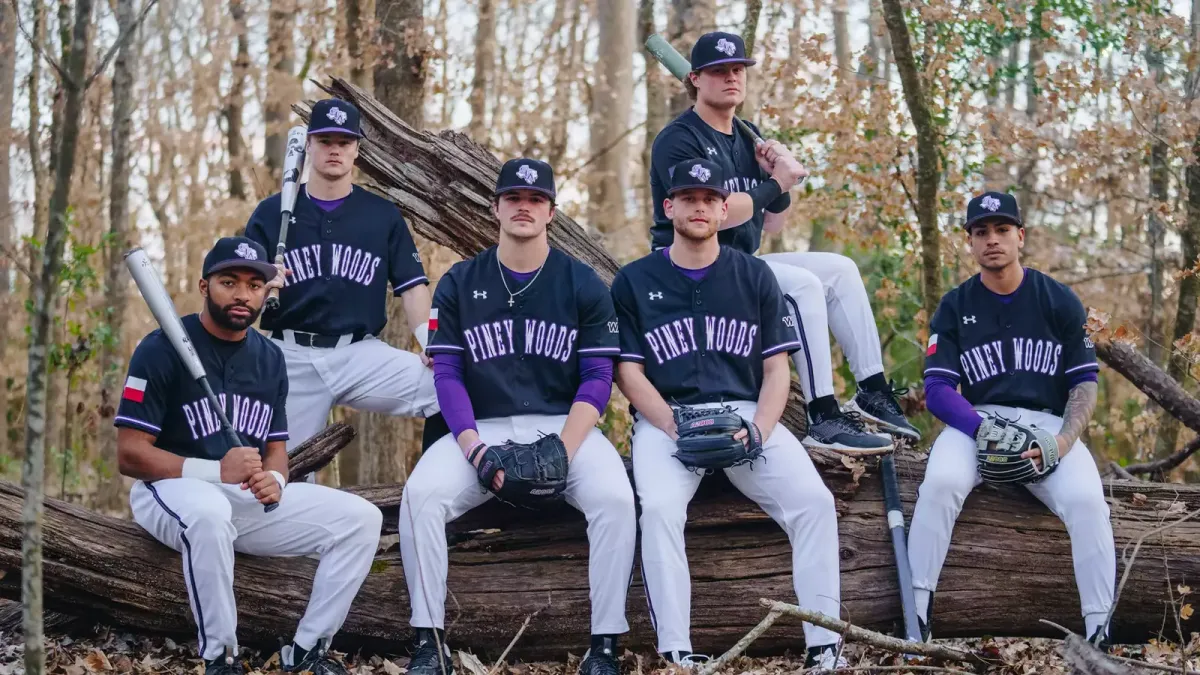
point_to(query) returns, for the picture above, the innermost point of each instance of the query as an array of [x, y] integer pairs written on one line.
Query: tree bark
[[281, 84], [34, 467], [841, 42], [8, 70], [400, 74], [656, 103], [237, 100], [40, 167], [485, 63], [1027, 174], [612, 92], [928, 167], [506, 564], [689, 20], [1151, 380], [359, 14], [111, 489]]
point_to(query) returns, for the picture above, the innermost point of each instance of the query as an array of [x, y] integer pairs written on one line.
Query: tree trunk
[[485, 63], [282, 87], [359, 16], [111, 490], [656, 103], [34, 468], [40, 168], [400, 74], [237, 99], [754, 88], [112, 572], [8, 62], [612, 91], [689, 20], [841, 42], [928, 168], [1027, 174]]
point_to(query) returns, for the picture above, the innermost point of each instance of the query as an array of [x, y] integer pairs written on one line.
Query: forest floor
[[105, 651]]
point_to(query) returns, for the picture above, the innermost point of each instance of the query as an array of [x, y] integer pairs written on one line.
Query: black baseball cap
[[993, 204], [239, 253], [526, 174], [718, 47], [335, 116], [697, 173]]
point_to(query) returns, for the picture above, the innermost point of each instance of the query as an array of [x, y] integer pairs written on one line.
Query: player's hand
[[743, 436], [498, 479], [239, 464], [764, 154], [425, 360], [787, 171], [1036, 455], [264, 486], [277, 282]]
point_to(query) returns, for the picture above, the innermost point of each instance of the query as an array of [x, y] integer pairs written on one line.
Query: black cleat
[[601, 659], [225, 665], [882, 409], [427, 659], [823, 658], [844, 431], [316, 660], [1099, 640]]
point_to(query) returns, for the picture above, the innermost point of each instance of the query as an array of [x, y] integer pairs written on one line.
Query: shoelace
[[602, 663], [850, 421], [888, 398]]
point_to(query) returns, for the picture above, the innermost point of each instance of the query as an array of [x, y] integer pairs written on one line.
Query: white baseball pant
[[207, 522], [828, 292], [1074, 492], [444, 486], [786, 485], [366, 375]]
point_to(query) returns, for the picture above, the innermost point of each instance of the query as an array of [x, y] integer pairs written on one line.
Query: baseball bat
[[293, 166], [675, 62], [159, 302], [895, 519]]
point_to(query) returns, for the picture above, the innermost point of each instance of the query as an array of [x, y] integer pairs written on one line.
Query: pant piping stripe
[[191, 573], [812, 381]]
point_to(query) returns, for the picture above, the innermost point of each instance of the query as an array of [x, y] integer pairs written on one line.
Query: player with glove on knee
[[1013, 339], [705, 338], [523, 339]]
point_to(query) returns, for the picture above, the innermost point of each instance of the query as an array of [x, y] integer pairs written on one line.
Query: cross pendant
[[510, 301]]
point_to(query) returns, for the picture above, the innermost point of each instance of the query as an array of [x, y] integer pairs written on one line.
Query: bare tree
[[281, 80], [611, 93], [237, 100], [111, 488], [656, 101], [689, 20], [485, 62], [841, 42], [8, 71], [358, 38], [1027, 173]]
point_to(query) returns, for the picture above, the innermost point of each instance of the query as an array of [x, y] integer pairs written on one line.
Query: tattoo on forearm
[[1081, 403]]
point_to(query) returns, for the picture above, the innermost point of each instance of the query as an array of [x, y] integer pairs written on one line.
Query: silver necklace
[[504, 280]]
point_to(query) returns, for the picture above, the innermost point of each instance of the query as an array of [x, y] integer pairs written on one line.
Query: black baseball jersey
[[689, 137], [248, 377], [702, 341], [341, 263], [1022, 353], [523, 358]]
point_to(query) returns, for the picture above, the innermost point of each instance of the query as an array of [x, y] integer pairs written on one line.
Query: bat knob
[[272, 303], [271, 507]]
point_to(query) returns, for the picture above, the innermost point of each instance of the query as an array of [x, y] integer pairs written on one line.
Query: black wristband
[[475, 450], [764, 193]]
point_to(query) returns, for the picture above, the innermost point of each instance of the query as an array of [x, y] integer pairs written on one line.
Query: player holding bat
[[343, 247], [204, 499]]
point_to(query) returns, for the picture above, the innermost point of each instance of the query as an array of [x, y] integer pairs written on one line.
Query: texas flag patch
[[433, 319], [932, 349], [135, 389]]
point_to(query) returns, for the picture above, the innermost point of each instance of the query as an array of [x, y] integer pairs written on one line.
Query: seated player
[[704, 326], [207, 500], [1013, 339], [523, 338], [824, 290]]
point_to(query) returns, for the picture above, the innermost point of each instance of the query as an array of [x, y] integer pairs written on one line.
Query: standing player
[[204, 499], [702, 325], [1013, 339], [523, 347], [344, 246], [825, 290]]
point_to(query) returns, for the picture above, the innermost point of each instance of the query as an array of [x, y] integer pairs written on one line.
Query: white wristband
[[208, 470], [422, 333], [279, 479]]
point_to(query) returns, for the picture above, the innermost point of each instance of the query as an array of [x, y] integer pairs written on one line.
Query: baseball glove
[[999, 444], [534, 473], [706, 441]]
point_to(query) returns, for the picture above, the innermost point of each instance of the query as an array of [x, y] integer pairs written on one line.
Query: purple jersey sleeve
[[946, 404], [595, 383], [452, 393]]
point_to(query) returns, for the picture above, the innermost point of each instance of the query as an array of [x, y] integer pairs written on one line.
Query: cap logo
[[527, 174], [700, 173], [726, 47], [246, 251], [990, 203], [337, 115]]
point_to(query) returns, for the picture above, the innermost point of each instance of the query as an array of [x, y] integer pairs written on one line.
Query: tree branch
[[37, 47], [1165, 464], [121, 39]]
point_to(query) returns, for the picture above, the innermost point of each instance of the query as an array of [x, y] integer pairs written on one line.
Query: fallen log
[[315, 453], [506, 564]]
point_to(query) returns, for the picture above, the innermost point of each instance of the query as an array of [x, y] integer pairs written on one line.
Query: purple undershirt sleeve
[[595, 384], [946, 404], [452, 393]]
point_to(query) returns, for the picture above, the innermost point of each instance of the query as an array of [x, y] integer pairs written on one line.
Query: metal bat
[[673, 61], [895, 518], [159, 302], [293, 166]]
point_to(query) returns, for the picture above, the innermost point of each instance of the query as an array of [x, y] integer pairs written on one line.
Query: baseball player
[[344, 246], [824, 290], [1013, 340], [206, 500], [523, 339], [706, 325]]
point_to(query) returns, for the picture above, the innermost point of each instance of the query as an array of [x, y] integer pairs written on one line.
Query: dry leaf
[[1183, 590], [391, 668], [1176, 508], [472, 664], [97, 662], [856, 466], [1185, 612], [1138, 499]]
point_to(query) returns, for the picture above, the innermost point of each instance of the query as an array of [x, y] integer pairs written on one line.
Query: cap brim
[[335, 130], [721, 191], [998, 216], [749, 62], [514, 188], [264, 268]]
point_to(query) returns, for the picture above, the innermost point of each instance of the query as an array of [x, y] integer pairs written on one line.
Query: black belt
[[317, 340]]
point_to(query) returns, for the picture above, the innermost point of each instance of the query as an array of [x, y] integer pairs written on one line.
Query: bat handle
[[758, 140], [231, 436]]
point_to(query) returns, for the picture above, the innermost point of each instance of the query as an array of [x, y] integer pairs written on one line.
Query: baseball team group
[[520, 346]]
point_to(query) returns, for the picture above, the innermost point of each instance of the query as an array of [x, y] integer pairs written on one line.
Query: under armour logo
[[527, 174], [656, 295], [612, 327], [700, 173], [968, 319], [292, 221], [479, 294], [711, 150], [337, 115], [726, 47], [244, 250], [990, 203]]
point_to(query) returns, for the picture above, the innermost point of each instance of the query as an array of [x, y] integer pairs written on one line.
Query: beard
[[223, 318], [690, 232]]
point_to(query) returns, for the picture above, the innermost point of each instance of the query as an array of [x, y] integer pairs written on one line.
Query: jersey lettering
[[729, 335], [987, 360], [304, 262], [549, 339], [251, 417]]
